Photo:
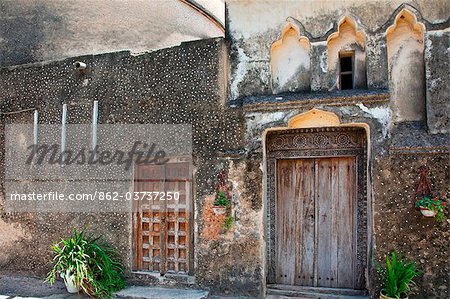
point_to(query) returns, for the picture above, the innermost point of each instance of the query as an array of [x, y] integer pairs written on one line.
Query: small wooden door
[[162, 218], [316, 222]]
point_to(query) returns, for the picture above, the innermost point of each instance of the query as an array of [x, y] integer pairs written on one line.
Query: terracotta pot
[[382, 296], [219, 210], [427, 212]]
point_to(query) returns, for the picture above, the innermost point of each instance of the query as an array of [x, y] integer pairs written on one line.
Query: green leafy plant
[[94, 264], [222, 199], [398, 275], [433, 204], [228, 222]]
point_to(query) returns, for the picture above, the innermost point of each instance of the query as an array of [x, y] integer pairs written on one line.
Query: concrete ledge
[[298, 100]]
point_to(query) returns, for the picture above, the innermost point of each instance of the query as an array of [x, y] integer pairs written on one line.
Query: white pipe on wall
[[63, 128], [94, 124], [35, 128]]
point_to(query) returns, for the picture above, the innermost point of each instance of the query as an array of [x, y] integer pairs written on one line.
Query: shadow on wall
[[21, 37]]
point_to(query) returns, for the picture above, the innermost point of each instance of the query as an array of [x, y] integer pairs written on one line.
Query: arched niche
[[348, 41], [290, 61], [314, 118], [405, 50]]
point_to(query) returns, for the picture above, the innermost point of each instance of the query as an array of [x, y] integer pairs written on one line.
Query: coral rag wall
[[180, 85], [400, 96], [398, 225], [190, 84], [318, 20]]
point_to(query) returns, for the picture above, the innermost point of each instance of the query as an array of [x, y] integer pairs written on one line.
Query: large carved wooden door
[[317, 234], [315, 222], [162, 218]]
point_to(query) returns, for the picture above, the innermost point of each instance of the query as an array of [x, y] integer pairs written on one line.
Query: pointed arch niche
[[405, 49], [348, 41], [290, 61]]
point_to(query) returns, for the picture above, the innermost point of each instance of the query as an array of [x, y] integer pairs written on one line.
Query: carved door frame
[[318, 143]]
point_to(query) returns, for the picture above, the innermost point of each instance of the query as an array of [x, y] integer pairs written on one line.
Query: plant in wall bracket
[[222, 202], [424, 200], [87, 264]]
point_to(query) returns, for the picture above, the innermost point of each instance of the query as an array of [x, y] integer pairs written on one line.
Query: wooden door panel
[[324, 222], [304, 258], [295, 218], [336, 181], [150, 220], [315, 222], [161, 225], [346, 231], [286, 216]]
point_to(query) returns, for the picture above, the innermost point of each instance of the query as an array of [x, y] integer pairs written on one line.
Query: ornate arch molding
[[360, 36], [291, 25], [317, 118], [410, 18], [411, 10]]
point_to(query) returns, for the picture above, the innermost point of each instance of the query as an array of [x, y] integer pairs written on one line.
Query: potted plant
[[431, 207], [221, 203], [397, 276], [87, 264]]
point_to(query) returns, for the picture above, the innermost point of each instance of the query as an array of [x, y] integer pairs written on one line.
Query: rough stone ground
[[22, 287]]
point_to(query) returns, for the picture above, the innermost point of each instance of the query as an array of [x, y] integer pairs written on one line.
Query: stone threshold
[[275, 291], [141, 292]]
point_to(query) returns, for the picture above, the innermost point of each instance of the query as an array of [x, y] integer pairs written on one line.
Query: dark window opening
[[346, 71]]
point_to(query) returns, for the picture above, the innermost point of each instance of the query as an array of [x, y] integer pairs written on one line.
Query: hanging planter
[[427, 212], [430, 206]]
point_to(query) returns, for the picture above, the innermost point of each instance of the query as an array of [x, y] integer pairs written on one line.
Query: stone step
[[148, 292], [282, 292]]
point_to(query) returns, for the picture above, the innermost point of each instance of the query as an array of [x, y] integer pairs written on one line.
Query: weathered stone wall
[[394, 160], [252, 39], [398, 225], [437, 54], [189, 84], [388, 39], [179, 85]]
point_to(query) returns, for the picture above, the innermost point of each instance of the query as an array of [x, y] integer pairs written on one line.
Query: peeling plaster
[[324, 62], [257, 120], [241, 71], [381, 114]]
